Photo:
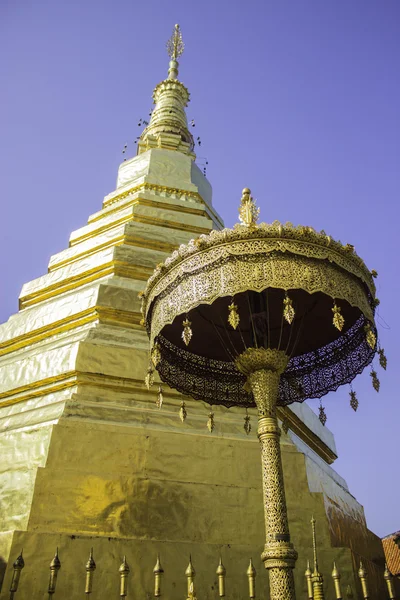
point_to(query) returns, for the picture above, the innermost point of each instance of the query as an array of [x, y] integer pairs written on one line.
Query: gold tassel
[[233, 318], [376, 384], [322, 414], [382, 358], [353, 400], [247, 424], [149, 379], [288, 310], [370, 336], [182, 412], [160, 398], [156, 354], [187, 331], [210, 422], [338, 319]]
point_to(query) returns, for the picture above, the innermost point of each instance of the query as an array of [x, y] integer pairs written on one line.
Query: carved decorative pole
[[90, 569], [308, 575], [316, 578], [55, 566], [389, 582], [263, 368], [362, 573], [123, 574], [190, 575], [251, 574], [158, 572], [221, 572], [17, 566], [336, 582]]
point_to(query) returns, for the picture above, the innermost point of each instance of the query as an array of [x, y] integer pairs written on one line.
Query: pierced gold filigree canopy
[[267, 285]]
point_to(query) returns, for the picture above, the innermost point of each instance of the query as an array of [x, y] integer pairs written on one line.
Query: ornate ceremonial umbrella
[[262, 315]]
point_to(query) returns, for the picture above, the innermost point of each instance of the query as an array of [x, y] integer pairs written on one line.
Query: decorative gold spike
[[233, 318], [187, 332], [389, 583], [182, 412], [338, 319], [55, 566], [362, 574], [336, 582], [210, 422], [175, 45], [160, 397], [221, 572], [308, 574], [353, 400], [376, 384], [382, 358], [251, 574], [190, 575], [247, 424], [285, 425], [156, 354], [349, 593], [90, 569], [158, 572], [149, 379], [316, 578], [370, 336], [123, 576], [17, 566], [248, 211], [288, 310], [322, 414]]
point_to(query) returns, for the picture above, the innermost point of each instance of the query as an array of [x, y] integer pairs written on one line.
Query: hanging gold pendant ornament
[[353, 400], [187, 331], [247, 424], [210, 422], [322, 414], [288, 310], [370, 337], [182, 412], [156, 354], [382, 358], [160, 398], [233, 318], [149, 379], [338, 319], [376, 384]]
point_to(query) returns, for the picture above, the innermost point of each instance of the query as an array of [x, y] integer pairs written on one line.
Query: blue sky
[[298, 100]]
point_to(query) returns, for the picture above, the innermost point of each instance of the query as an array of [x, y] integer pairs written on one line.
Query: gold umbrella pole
[[263, 369]]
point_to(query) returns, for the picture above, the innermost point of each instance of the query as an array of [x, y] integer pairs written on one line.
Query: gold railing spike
[[251, 574], [389, 583], [336, 582], [190, 575], [55, 566], [362, 574], [158, 572], [123, 574], [17, 566], [308, 575], [221, 572], [90, 569]]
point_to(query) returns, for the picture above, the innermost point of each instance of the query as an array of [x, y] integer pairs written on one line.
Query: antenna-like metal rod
[[17, 566], [55, 566], [158, 572], [90, 569], [251, 574], [123, 574], [221, 572]]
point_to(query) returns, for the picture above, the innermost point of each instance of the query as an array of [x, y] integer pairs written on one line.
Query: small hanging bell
[[353, 400], [233, 318], [160, 398], [382, 358], [182, 411], [288, 310], [322, 414], [247, 424], [149, 379], [370, 336], [376, 384], [156, 354], [187, 331], [338, 319], [210, 422]]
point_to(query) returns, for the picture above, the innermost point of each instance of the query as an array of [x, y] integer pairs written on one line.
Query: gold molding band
[[152, 187]]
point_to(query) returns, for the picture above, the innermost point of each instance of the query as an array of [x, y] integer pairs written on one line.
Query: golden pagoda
[[95, 463]]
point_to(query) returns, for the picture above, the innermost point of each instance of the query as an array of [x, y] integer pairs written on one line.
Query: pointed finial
[[251, 574], [221, 572], [190, 574], [123, 574], [17, 566], [336, 581], [90, 569], [248, 212], [55, 566], [308, 575], [314, 544], [158, 572], [175, 48], [389, 583]]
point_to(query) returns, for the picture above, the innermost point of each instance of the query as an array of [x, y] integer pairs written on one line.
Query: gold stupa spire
[[175, 48]]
